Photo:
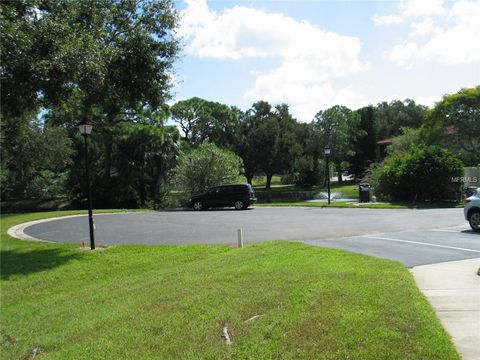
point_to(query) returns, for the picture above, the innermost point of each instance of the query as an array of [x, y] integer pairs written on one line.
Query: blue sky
[[316, 54]]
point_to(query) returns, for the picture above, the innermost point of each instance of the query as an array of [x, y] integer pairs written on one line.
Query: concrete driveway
[[413, 237]]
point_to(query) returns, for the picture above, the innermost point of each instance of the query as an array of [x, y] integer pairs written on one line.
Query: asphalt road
[[413, 237], [413, 247]]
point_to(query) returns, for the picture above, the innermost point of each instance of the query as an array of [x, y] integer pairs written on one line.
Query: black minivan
[[240, 196]]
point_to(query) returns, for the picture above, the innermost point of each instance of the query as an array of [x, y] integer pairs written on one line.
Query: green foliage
[[206, 166], [143, 158], [290, 178], [391, 117], [28, 149], [146, 155], [202, 120], [248, 140], [117, 53], [280, 142], [108, 61], [420, 175], [409, 139], [364, 146], [308, 175], [267, 140], [46, 185], [454, 123], [337, 128]]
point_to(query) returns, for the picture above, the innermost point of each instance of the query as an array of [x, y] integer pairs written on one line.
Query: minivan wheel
[[239, 205], [197, 206], [475, 220]]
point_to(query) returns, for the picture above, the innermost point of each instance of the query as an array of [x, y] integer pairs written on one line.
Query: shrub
[[307, 175], [206, 166], [46, 185], [420, 175], [309, 178], [289, 179]]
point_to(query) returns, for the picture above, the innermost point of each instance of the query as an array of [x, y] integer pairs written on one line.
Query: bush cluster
[[420, 175]]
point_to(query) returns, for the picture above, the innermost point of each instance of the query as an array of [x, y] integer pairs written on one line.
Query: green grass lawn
[[260, 181], [172, 302], [346, 189]]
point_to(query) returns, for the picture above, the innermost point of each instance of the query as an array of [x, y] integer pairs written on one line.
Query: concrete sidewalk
[[453, 289]]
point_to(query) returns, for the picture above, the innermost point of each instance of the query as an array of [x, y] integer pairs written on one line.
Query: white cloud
[[424, 28], [311, 99], [456, 43], [387, 19], [427, 100], [242, 32], [306, 92], [403, 54], [413, 8], [310, 56], [408, 9]]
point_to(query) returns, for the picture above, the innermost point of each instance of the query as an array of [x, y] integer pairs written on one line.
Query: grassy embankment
[[172, 302]]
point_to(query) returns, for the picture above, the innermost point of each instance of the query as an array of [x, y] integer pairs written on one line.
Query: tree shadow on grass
[[23, 263]]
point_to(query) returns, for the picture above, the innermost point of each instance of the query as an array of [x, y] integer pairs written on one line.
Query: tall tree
[[267, 140], [115, 56], [391, 117], [188, 114], [337, 128], [314, 144], [281, 133], [249, 142], [454, 123], [364, 147], [33, 149], [202, 120], [146, 156], [245, 142]]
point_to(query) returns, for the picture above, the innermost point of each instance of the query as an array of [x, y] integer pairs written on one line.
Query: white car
[[472, 210]]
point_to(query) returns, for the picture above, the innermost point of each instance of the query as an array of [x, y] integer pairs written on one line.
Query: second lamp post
[[327, 155]]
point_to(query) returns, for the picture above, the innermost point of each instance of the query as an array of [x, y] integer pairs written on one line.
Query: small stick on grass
[[254, 318], [226, 335], [33, 354]]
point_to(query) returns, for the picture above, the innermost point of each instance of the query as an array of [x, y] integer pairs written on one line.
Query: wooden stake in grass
[[226, 335]]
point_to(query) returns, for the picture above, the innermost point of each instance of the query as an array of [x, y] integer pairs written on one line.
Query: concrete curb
[[453, 290], [18, 231]]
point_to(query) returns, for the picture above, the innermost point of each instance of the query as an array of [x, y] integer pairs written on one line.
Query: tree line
[[111, 63]]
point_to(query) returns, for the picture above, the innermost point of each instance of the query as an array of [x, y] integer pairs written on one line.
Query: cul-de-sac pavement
[[413, 237]]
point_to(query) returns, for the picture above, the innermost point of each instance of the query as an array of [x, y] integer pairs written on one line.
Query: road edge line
[[18, 231]]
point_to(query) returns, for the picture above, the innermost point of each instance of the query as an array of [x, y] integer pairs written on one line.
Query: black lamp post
[[327, 155], [86, 130]]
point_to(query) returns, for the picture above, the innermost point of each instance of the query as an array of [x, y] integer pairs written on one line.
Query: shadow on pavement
[[470, 232], [205, 210]]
